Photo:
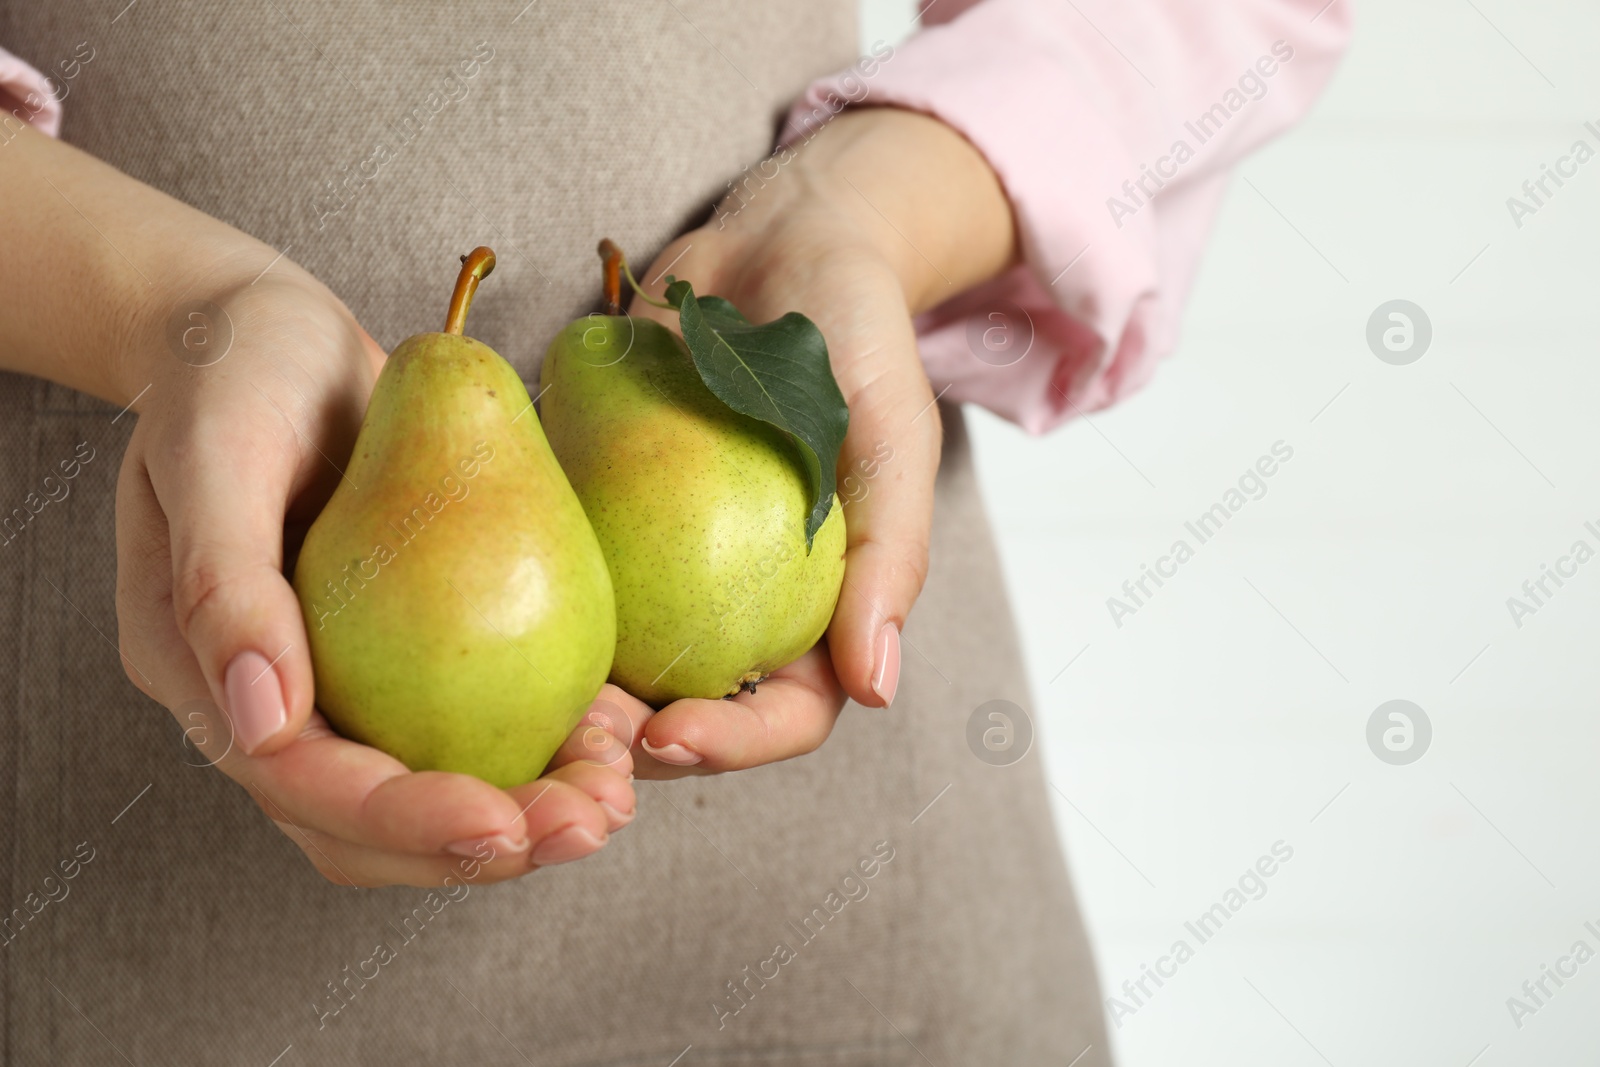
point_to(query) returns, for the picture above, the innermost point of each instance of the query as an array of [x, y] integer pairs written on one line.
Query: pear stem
[[611, 280], [475, 266], [615, 267]]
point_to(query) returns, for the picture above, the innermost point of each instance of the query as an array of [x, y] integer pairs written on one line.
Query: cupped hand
[[811, 241], [228, 456]]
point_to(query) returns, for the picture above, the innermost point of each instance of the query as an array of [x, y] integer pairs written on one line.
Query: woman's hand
[[224, 457], [234, 443], [884, 214]]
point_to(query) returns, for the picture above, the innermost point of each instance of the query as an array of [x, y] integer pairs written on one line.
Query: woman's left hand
[[841, 234]]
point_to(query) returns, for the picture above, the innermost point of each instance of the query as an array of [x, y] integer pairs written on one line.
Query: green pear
[[700, 512], [459, 610]]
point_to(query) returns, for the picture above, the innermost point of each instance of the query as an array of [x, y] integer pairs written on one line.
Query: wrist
[[919, 193], [187, 316], [96, 266]]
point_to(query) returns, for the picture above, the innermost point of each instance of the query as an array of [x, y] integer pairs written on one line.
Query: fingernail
[[676, 755], [255, 700], [567, 845], [494, 845], [886, 678], [618, 819]]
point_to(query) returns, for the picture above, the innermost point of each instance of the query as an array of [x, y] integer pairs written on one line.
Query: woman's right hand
[[225, 457]]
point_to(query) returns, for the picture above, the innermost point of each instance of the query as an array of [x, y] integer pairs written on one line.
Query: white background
[[1231, 710]]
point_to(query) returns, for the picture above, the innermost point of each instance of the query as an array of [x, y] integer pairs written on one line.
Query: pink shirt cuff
[[27, 96], [1112, 215]]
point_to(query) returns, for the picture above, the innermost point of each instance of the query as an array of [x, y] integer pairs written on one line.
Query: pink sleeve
[[1112, 125], [27, 95]]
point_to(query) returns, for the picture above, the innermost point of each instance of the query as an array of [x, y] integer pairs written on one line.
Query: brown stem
[[611, 260], [475, 266]]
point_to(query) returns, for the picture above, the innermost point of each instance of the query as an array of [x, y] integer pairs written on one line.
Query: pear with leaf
[[706, 465]]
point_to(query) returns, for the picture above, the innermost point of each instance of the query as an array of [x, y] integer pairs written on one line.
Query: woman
[[252, 203]]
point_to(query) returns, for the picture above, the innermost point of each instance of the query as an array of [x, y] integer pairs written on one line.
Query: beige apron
[[157, 918]]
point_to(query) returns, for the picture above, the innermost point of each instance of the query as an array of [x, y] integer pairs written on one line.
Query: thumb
[[886, 483], [225, 508]]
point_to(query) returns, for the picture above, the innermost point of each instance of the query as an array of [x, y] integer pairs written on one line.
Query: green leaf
[[777, 372]]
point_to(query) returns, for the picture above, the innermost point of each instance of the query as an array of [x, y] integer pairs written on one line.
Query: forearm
[[923, 195], [95, 262]]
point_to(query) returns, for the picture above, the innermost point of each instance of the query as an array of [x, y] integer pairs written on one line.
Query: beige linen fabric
[[190, 931]]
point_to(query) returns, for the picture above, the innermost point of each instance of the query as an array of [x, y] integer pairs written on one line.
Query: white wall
[[1231, 712]]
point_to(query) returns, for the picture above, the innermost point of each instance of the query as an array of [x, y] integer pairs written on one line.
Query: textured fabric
[[190, 931], [198, 934], [1113, 126]]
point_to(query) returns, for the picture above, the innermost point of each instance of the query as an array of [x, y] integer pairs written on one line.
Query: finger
[[326, 783], [224, 490], [565, 822], [607, 732], [789, 714], [608, 789], [155, 657], [591, 742], [886, 477], [347, 863]]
